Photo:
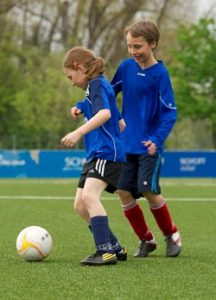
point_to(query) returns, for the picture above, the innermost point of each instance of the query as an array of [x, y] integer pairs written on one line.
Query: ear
[[153, 45], [66, 71], [80, 67]]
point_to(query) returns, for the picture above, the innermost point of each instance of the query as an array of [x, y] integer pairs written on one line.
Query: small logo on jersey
[[92, 171], [145, 182], [87, 91], [85, 120], [141, 74]]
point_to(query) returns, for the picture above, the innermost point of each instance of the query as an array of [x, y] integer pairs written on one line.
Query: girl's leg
[[79, 206], [99, 223], [91, 196], [98, 217]]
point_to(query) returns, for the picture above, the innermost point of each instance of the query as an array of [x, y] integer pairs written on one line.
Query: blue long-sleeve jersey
[[148, 104], [104, 142]]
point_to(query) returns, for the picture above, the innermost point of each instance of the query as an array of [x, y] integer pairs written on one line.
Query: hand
[[71, 138], [75, 112], [122, 125], [152, 147]]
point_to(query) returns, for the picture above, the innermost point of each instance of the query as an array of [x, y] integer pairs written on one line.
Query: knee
[[153, 198], [85, 197], [125, 196], [88, 199], [78, 205]]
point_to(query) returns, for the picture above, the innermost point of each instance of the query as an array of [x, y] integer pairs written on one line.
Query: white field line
[[164, 182], [28, 197]]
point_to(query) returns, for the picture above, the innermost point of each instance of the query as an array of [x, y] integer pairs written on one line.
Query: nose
[[132, 50]]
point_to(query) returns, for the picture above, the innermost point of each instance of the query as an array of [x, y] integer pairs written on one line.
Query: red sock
[[163, 218], [136, 218]]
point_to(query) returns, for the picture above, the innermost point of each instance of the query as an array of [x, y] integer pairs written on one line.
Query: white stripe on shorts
[[100, 166]]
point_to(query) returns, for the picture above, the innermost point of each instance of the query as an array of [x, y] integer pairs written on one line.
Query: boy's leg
[[134, 213], [127, 189], [164, 220], [148, 182]]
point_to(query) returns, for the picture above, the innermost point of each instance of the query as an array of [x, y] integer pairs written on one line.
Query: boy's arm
[[168, 115], [96, 121], [121, 121], [122, 124]]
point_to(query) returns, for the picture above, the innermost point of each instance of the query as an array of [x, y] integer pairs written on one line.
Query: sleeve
[[98, 96], [117, 81], [81, 105], [168, 110]]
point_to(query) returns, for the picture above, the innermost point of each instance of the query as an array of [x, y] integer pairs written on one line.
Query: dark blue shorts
[[141, 174]]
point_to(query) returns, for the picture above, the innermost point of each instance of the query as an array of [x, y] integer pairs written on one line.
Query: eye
[[69, 77], [137, 47]]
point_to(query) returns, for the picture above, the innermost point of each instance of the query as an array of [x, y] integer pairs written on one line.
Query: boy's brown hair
[[146, 29]]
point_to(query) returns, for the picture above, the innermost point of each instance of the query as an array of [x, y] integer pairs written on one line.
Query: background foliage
[[35, 98]]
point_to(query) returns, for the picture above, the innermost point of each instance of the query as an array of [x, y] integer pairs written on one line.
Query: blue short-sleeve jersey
[[148, 104], [104, 142]]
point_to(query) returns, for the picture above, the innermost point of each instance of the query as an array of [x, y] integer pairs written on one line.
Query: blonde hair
[[93, 66], [146, 29]]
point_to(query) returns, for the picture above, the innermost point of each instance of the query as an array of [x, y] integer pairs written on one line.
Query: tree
[[34, 96], [194, 75], [43, 103], [54, 25]]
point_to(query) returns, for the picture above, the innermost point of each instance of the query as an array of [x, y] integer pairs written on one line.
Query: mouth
[[75, 84], [136, 57]]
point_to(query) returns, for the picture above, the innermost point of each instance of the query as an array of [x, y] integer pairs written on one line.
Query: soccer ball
[[34, 243]]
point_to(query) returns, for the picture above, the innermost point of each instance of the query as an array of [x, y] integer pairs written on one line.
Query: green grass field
[[48, 203]]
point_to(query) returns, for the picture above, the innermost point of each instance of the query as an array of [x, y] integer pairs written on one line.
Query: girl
[[104, 148]]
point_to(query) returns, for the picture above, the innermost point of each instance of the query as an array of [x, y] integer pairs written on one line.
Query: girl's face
[[77, 76], [140, 50]]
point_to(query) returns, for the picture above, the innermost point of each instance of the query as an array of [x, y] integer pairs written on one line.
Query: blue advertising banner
[[41, 164], [68, 163], [189, 164]]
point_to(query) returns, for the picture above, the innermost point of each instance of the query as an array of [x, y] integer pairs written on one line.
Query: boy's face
[[140, 49], [77, 77]]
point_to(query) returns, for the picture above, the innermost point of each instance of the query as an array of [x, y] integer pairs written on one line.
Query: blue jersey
[[148, 104], [104, 142]]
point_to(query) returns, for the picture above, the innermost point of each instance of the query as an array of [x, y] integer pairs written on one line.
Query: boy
[[148, 108]]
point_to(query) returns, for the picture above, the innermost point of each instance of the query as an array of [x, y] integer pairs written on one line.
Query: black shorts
[[105, 170], [141, 174]]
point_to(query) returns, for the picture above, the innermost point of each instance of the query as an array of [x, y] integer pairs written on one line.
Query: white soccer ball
[[34, 243]]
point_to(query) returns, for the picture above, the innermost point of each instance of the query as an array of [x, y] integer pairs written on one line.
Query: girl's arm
[[75, 112], [96, 121]]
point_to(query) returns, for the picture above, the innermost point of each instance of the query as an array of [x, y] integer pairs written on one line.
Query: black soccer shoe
[[99, 259], [145, 247], [174, 245], [122, 255]]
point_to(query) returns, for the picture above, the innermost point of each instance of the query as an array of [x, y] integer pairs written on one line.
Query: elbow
[[107, 114]]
